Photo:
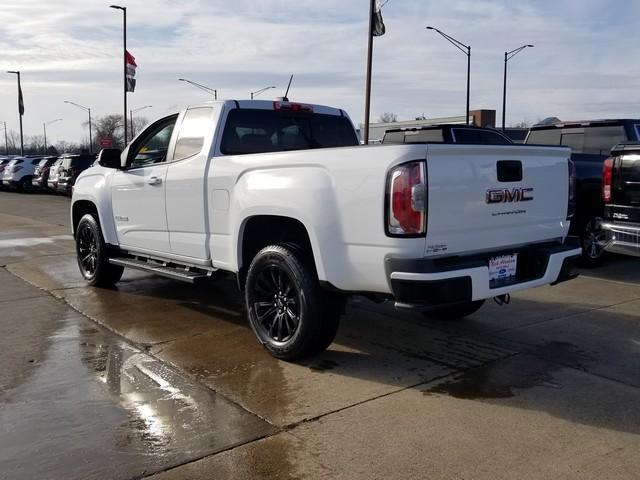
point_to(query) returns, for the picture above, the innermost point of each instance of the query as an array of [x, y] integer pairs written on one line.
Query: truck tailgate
[[484, 197]]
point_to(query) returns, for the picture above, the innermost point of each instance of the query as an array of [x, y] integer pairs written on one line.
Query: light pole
[[86, 109], [44, 126], [131, 112], [124, 61], [466, 49], [258, 92], [6, 142], [20, 109], [202, 87], [508, 56]]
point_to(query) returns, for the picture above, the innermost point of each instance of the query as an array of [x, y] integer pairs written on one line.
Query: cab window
[[151, 148]]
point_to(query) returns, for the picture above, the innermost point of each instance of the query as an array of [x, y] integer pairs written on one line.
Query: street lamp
[[44, 126], [20, 109], [202, 87], [6, 142], [508, 56], [86, 109], [466, 49], [131, 112], [258, 92]]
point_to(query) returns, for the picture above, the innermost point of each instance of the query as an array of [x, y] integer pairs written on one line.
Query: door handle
[[154, 180]]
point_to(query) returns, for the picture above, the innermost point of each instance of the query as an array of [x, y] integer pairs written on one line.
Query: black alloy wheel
[[91, 252], [593, 240], [292, 316], [277, 304], [87, 250]]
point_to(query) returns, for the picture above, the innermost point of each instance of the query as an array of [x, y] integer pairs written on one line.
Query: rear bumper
[[428, 283], [623, 238]]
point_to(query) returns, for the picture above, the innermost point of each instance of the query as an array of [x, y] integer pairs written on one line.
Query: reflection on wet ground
[[95, 407], [559, 364]]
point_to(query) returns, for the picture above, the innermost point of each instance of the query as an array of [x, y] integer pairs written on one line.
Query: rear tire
[[592, 239], [91, 252], [288, 311], [455, 312]]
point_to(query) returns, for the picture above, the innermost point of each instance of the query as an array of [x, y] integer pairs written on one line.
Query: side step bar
[[184, 274]]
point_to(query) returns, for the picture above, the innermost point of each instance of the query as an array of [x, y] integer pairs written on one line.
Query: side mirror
[[110, 158]]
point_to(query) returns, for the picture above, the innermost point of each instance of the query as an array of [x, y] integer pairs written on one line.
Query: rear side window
[[259, 131], [473, 136], [549, 136], [195, 126], [600, 140]]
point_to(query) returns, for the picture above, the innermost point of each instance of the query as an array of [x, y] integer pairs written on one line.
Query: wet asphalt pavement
[[159, 378]]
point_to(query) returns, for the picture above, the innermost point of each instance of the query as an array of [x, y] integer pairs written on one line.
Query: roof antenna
[[286, 94]]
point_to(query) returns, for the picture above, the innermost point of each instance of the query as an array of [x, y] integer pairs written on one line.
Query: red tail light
[[407, 200], [607, 180]]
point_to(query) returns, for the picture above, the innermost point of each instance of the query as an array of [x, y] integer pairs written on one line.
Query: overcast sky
[[583, 64]]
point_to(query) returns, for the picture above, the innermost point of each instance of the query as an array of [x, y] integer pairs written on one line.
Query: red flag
[[131, 71]]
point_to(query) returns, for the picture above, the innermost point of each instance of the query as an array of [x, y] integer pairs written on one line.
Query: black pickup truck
[[446, 133], [591, 142], [621, 195]]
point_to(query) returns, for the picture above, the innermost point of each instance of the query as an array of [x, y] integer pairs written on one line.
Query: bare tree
[[63, 146], [138, 124], [388, 117], [108, 126]]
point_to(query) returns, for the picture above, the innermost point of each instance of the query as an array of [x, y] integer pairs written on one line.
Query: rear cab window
[[260, 131]]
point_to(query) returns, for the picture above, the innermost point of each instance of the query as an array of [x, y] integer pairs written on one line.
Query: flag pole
[[124, 65], [367, 101], [124, 73], [21, 113], [20, 110]]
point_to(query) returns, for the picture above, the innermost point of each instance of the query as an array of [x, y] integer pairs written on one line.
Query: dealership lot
[[156, 377]]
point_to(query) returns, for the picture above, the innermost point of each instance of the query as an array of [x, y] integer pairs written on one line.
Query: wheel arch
[[259, 231]]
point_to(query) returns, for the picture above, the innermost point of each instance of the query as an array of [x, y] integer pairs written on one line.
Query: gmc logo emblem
[[509, 195]]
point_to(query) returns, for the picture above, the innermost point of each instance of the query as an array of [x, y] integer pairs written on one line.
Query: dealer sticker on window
[[503, 267]]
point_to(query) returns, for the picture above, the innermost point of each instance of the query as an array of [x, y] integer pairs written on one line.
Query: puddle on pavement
[[502, 379], [95, 407]]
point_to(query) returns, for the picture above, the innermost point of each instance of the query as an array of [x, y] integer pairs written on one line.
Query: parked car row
[[43, 173]]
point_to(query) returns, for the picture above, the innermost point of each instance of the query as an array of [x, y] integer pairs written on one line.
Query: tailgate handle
[[509, 170]]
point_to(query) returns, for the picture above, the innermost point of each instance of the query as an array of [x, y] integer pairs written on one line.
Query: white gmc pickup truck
[[283, 196]]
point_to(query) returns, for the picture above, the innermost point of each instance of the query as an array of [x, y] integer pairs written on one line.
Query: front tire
[[91, 252], [288, 311], [455, 312]]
